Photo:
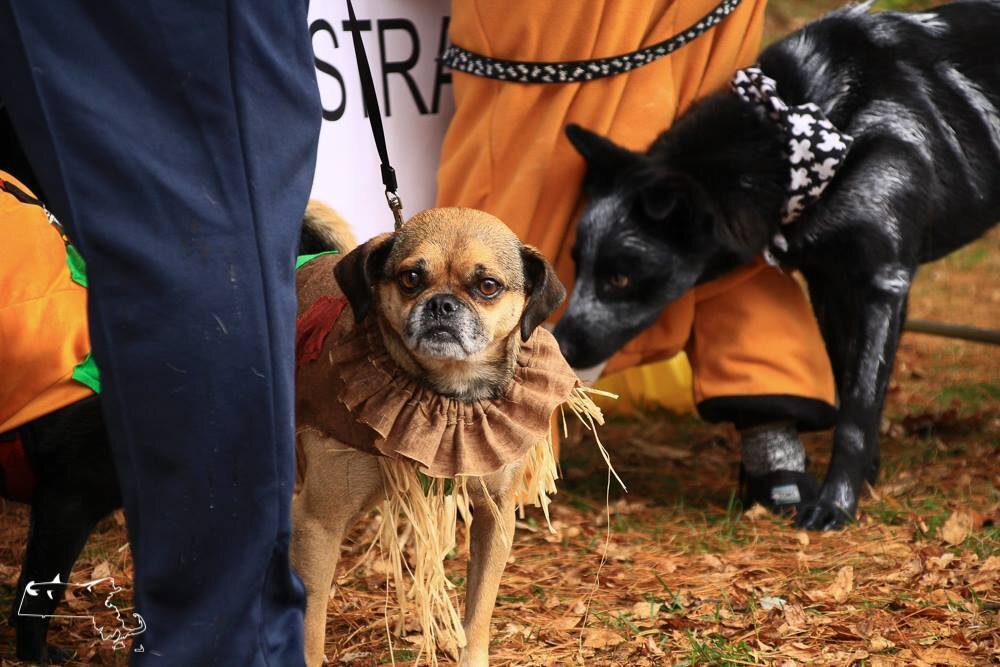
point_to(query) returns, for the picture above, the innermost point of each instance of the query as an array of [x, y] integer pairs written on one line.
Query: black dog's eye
[[409, 280], [619, 281], [489, 287]]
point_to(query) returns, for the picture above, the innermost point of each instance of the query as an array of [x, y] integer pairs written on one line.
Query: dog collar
[[814, 148]]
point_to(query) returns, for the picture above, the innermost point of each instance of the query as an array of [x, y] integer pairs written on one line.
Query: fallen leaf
[[957, 528], [942, 560], [878, 643], [944, 656], [601, 638], [756, 512], [991, 564], [713, 561], [564, 623], [666, 566], [843, 584], [653, 648], [942, 596], [769, 603], [352, 656], [101, 571], [795, 616], [645, 609]]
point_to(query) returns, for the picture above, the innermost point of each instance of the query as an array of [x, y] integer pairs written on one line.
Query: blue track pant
[[176, 141]]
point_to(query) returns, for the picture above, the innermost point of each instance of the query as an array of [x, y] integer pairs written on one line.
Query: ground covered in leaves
[[692, 578]]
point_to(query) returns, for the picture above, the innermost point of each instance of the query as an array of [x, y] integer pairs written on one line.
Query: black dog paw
[[822, 515], [871, 473]]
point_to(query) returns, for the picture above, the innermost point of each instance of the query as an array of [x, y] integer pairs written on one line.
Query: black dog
[[919, 94], [76, 486]]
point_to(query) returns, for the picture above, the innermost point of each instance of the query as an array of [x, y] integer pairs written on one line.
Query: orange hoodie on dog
[[43, 313]]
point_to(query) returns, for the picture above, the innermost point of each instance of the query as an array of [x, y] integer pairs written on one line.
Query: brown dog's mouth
[[442, 341], [441, 334]]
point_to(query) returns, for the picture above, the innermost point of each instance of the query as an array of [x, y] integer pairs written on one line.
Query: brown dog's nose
[[442, 306]]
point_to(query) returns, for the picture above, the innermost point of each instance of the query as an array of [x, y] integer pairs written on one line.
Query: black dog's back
[[929, 82]]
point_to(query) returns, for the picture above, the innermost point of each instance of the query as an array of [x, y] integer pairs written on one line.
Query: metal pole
[[974, 334]]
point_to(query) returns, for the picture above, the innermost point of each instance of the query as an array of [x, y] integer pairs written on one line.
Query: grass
[[720, 651]]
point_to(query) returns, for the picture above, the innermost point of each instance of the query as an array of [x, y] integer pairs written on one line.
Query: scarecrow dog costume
[[54, 448], [424, 381], [860, 147]]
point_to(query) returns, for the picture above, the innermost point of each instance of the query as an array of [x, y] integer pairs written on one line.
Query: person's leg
[[759, 362], [177, 144]]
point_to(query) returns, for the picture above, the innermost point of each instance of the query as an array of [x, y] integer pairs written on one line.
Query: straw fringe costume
[[754, 347]]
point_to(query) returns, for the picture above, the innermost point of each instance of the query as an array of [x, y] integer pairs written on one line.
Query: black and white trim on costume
[[525, 71]]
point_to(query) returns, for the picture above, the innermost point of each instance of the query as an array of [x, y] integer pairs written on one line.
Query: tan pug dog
[[454, 292]]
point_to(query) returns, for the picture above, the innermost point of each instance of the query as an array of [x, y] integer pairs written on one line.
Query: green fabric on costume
[[86, 373], [77, 267], [302, 260]]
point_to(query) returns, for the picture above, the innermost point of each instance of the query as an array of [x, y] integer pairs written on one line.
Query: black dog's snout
[[442, 306]]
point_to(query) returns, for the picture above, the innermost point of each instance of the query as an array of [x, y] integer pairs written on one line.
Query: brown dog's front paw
[[474, 659]]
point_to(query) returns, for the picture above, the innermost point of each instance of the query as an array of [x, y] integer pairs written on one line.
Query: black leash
[[375, 117]]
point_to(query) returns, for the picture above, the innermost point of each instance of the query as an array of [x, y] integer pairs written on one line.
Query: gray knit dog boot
[[774, 468]]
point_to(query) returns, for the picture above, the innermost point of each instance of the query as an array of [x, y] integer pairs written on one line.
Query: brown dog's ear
[[544, 290], [357, 272]]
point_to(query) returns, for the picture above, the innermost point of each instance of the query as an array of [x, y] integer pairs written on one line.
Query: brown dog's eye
[[619, 281], [409, 280], [489, 287]]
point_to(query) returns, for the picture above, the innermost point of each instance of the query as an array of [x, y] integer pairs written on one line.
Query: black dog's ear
[[357, 272], [604, 157], [676, 206], [659, 202], [544, 290]]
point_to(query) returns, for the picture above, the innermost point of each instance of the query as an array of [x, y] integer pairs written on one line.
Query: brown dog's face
[[455, 285]]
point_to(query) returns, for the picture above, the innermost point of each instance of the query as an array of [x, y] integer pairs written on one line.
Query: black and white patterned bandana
[[814, 148]]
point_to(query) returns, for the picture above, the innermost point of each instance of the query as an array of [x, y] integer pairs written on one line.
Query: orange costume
[[44, 344], [754, 347]]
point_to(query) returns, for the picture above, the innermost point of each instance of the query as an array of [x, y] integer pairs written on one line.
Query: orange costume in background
[[43, 315], [755, 350]]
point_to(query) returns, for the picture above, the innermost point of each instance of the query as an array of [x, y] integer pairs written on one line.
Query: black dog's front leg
[[862, 381]]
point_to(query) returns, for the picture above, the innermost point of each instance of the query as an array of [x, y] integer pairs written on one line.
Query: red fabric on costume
[[19, 478], [313, 326]]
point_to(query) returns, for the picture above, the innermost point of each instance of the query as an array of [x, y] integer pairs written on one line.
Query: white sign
[[403, 39]]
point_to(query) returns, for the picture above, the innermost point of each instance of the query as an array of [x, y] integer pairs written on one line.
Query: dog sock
[[772, 447], [774, 467]]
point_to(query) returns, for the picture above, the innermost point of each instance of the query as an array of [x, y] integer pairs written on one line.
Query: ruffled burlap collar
[[356, 392], [448, 436]]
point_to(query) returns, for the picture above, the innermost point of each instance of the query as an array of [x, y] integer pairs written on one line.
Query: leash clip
[[396, 205]]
